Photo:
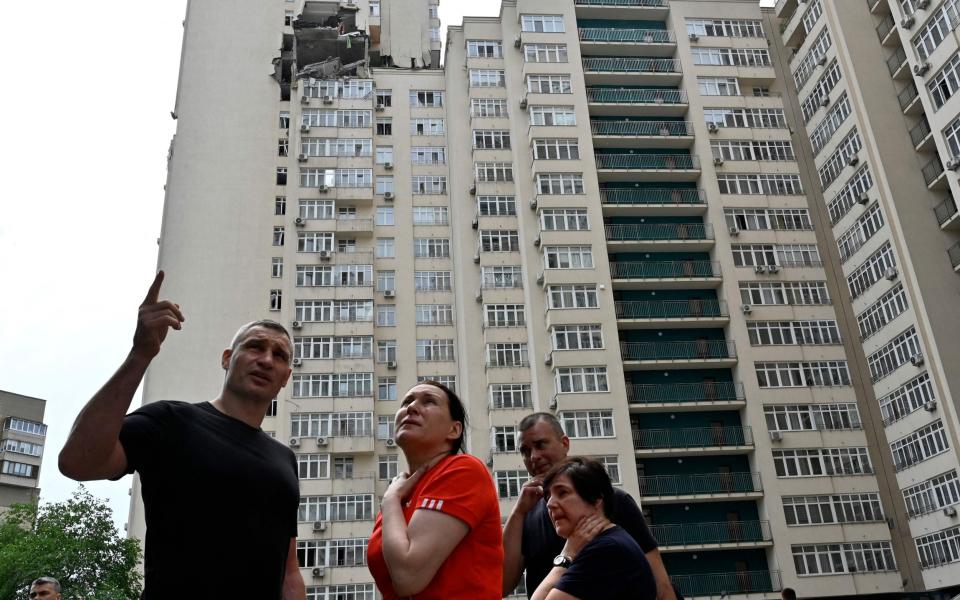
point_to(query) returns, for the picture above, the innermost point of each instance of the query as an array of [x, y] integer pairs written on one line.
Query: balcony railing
[[714, 391], [885, 27], [649, 128], [659, 231], [648, 161], [907, 96], [639, 3], [648, 36], [726, 532], [954, 253], [682, 350], [726, 584], [664, 269], [699, 484], [631, 65], [920, 132], [694, 437], [945, 210], [652, 196], [896, 60], [636, 96], [932, 170], [670, 309]]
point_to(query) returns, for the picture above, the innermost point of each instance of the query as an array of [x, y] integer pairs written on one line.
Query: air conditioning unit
[[304, 100], [324, 255], [391, 364], [328, 99], [379, 107], [476, 258], [717, 162], [917, 359], [713, 127], [907, 22], [540, 278], [490, 459], [473, 190], [554, 403], [773, 268], [517, 41], [294, 442], [388, 166], [776, 436], [323, 189], [297, 362], [296, 325], [759, 269], [533, 204], [319, 571], [319, 525], [921, 69], [734, 230], [523, 102], [854, 160], [389, 293], [822, 60], [950, 511], [321, 441], [746, 309], [930, 405], [536, 241], [475, 223], [890, 273], [693, 37], [863, 197], [388, 196], [922, 4], [953, 163], [301, 158], [305, 128], [825, 101], [390, 443], [299, 221], [548, 358]]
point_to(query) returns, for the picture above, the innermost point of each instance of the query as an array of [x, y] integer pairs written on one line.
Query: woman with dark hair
[[599, 560], [438, 532]]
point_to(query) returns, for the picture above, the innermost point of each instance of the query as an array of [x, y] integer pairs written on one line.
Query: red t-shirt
[[460, 486]]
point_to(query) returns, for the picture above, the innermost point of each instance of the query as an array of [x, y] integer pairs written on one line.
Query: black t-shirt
[[541, 543], [220, 501], [611, 567]]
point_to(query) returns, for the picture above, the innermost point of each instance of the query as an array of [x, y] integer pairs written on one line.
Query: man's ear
[[566, 442], [225, 358]]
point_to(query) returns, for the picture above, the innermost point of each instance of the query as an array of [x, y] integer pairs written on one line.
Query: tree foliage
[[74, 541]]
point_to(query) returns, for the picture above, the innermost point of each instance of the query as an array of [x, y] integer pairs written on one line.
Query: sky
[[85, 127]]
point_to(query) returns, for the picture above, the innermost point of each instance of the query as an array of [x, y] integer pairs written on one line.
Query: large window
[[336, 424], [499, 240], [507, 276], [434, 314], [572, 296], [25, 426], [568, 257], [812, 417], [933, 494], [552, 115], [939, 548], [750, 150], [545, 53], [488, 107], [823, 373], [509, 483], [760, 219], [860, 232], [435, 350], [510, 396], [496, 206], [879, 264], [821, 91], [835, 117], [919, 445], [837, 508], [758, 118], [331, 385], [847, 148], [819, 462], [718, 86], [560, 183], [909, 397], [793, 333], [848, 557], [556, 149], [542, 23], [577, 337], [484, 49], [731, 57], [491, 139], [549, 84], [737, 28], [507, 354], [854, 191], [576, 380], [788, 293], [937, 28], [349, 507], [760, 183], [429, 184], [587, 423], [487, 78], [504, 315]]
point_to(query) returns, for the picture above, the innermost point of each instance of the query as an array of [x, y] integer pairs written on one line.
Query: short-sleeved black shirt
[[220, 501], [541, 543], [611, 567]]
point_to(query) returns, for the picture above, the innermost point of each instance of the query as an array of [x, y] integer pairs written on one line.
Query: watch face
[[562, 561]]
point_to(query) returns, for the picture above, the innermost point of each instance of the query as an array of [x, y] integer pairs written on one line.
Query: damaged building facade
[[597, 208]]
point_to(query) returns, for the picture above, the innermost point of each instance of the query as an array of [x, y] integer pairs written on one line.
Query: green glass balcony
[[659, 231], [933, 174], [953, 252], [625, 70], [676, 274], [701, 534], [920, 135], [885, 28], [946, 213], [679, 393], [652, 201], [636, 3], [726, 584], [692, 437], [682, 350], [700, 484], [633, 10], [670, 309], [642, 128], [909, 99], [648, 161], [640, 36], [636, 96]]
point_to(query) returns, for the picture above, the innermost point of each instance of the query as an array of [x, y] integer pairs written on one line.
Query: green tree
[[74, 541]]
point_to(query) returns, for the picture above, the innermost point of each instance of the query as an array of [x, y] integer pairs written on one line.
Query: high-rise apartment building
[[606, 209], [22, 437]]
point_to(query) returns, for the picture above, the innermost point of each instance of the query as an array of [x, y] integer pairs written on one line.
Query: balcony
[[684, 396], [676, 274], [355, 226], [699, 440], [646, 134], [637, 101], [954, 253], [647, 167], [659, 236], [878, 7], [609, 41], [909, 99], [720, 535], [934, 175], [634, 10], [694, 312], [703, 487], [724, 585], [897, 65], [646, 201], [946, 213], [921, 137], [694, 354], [887, 32], [792, 31], [598, 70]]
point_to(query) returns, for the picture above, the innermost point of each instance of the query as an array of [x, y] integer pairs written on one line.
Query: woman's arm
[[586, 529]]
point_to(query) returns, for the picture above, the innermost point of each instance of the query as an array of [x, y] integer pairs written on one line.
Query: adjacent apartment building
[[22, 436], [605, 209]]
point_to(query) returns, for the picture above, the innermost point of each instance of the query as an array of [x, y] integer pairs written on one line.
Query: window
[[346, 147], [384, 98], [429, 184], [504, 439], [276, 267], [860, 232], [283, 147], [831, 122], [496, 206], [821, 91], [572, 296], [760, 183], [847, 148], [825, 373], [386, 315], [338, 424], [284, 119], [549, 84], [387, 467], [936, 29], [384, 185], [386, 280], [487, 78], [786, 293], [907, 398], [426, 99], [386, 391], [431, 215], [552, 115], [288, 18], [426, 127], [488, 107], [812, 15], [313, 466], [556, 149], [848, 557], [314, 241], [811, 60], [819, 462], [918, 446], [510, 395], [349, 507], [952, 135], [735, 57], [278, 233], [852, 193], [725, 27], [332, 385], [493, 171], [759, 118], [484, 49], [736, 150], [499, 240], [575, 380], [384, 155], [545, 53], [812, 417], [374, 8], [386, 425], [9, 467], [434, 314], [329, 311], [489, 139], [386, 248], [542, 23], [793, 333], [568, 257], [577, 337], [432, 281], [830, 509], [759, 219], [612, 465], [386, 351], [587, 423], [786, 255], [431, 248], [21, 447], [939, 548], [509, 483], [933, 494], [280, 205], [508, 354], [560, 183], [428, 155], [385, 126], [564, 219], [327, 347], [315, 209], [508, 276], [281, 176], [384, 216], [879, 264], [504, 315], [434, 350], [718, 86]]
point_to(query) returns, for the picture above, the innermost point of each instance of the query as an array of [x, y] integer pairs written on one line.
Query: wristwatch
[[562, 561]]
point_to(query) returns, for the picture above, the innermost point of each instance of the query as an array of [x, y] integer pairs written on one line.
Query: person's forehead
[[42, 587], [425, 389], [541, 430], [264, 333]]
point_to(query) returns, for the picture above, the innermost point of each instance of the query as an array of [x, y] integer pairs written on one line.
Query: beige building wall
[[22, 441]]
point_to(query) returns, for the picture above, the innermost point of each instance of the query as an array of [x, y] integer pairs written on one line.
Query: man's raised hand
[[153, 321]]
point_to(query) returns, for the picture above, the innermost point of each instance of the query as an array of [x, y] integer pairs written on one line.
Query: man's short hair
[[541, 417], [266, 324], [788, 594], [46, 581]]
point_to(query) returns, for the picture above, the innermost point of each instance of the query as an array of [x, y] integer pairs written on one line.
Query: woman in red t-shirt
[[438, 532]]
